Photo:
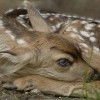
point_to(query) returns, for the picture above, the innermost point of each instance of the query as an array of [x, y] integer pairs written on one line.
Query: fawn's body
[[50, 49]]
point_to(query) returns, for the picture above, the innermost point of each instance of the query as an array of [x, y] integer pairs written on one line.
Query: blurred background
[[87, 8]]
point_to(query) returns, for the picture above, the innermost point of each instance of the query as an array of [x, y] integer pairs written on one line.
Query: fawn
[[37, 51]]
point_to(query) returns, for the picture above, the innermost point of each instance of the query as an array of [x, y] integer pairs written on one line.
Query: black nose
[[94, 76]]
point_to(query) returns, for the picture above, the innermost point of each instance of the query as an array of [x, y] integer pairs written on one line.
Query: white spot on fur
[[19, 8], [71, 29], [54, 28], [96, 49], [74, 35], [30, 29], [63, 15], [12, 37], [25, 25], [53, 14], [22, 16], [51, 19], [69, 16], [77, 36], [74, 30], [89, 26], [98, 21], [82, 18], [1, 22], [44, 15], [21, 21], [83, 22], [9, 11], [84, 45], [84, 33], [1, 25], [68, 29], [92, 39], [48, 14], [89, 19], [21, 42], [57, 15], [80, 38], [99, 26], [75, 21], [75, 16], [10, 34], [91, 34], [35, 91], [58, 25]]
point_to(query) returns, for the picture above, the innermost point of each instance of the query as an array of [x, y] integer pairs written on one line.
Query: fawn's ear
[[37, 21], [13, 56], [10, 62]]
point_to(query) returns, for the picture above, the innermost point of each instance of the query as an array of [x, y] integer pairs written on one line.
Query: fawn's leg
[[44, 84], [55, 87]]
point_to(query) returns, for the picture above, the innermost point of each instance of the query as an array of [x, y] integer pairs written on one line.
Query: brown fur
[[31, 57]]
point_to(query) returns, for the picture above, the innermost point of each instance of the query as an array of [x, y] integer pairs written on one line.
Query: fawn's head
[[56, 57], [40, 51]]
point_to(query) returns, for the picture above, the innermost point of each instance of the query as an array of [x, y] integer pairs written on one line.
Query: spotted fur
[[81, 25], [32, 53]]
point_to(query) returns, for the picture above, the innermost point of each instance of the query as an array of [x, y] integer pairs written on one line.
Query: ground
[[20, 95]]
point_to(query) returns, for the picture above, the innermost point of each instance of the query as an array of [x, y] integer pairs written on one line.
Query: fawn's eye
[[63, 62]]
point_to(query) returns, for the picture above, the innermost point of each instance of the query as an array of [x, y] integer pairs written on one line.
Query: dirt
[[29, 95]]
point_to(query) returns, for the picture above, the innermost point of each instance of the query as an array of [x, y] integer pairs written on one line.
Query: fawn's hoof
[[9, 86]]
